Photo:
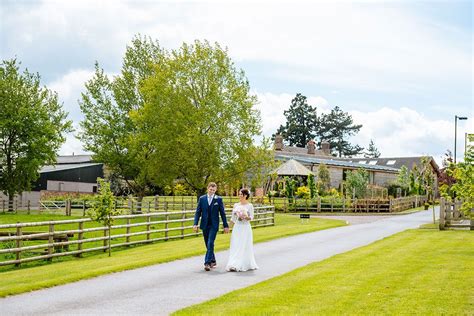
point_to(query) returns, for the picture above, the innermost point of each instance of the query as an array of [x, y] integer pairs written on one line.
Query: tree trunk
[[11, 196]]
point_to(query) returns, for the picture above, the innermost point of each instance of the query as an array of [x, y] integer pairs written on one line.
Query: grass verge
[[416, 272], [27, 279]]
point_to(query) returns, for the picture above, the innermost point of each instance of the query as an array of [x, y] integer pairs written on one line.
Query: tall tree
[[199, 116], [108, 130], [372, 151], [335, 127], [32, 128], [301, 122]]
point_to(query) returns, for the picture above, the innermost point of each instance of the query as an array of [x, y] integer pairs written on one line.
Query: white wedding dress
[[241, 257]]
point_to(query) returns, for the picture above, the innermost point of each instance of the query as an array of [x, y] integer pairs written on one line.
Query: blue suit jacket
[[210, 212]]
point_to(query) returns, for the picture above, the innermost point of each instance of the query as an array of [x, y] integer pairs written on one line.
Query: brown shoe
[[213, 265], [207, 267]]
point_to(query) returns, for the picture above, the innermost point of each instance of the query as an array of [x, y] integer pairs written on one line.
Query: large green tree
[[301, 122], [199, 117], [32, 128], [335, 128], [108, 130]]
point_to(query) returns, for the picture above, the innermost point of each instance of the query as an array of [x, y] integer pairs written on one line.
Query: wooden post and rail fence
[[451, 216], [26, 242]]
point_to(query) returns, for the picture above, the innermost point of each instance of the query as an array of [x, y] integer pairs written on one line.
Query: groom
[[208, 209]]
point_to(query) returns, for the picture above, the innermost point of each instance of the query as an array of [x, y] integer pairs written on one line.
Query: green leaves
[[198, 116], [108, 105], [32, 127], [301, 122], [356, 182], [335, 127], [103, 208]]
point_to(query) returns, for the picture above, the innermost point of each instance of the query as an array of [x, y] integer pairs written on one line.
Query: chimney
[[311, 147], [326, 148], [278, 142]]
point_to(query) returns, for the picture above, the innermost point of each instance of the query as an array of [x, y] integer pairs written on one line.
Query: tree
[[32, 128], [404, 179], [324, 179], [108, 130], [372, 151], [103, 208], [463, 173], [199, 117], [312, 186], [301, 122], [356, 183], [334, 128]]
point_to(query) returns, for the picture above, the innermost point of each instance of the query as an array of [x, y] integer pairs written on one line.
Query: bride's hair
[[245, 193]]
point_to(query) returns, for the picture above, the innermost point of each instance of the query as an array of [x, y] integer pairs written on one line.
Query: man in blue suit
[[208, 209]]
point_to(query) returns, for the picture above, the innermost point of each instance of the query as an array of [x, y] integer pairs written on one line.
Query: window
[[373, 162], [363, 161], [391, 162]]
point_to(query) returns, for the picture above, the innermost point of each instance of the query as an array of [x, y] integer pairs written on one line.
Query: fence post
[[156, 203], [50, 240], [18, 244], [390, 205], [127, 239], [167, 218], [105, 239], [442, 206], [84, 207], [148, 226], [319, 204], [343, 205], [28, 206], [183, 217], [79, 239]]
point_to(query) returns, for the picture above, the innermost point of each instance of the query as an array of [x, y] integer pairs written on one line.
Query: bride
[[241, 257]]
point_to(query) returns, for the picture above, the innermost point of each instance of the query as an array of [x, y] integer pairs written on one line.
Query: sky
[[403, 69]]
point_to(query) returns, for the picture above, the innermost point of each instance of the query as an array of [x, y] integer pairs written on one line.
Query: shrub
[[303, 192]]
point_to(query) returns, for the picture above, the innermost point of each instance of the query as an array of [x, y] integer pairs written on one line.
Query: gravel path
[[164, 288]]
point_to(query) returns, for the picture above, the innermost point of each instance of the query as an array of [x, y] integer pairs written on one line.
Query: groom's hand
[[195, 228], [226, 230]]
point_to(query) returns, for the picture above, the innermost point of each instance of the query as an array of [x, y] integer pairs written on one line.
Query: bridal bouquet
[[241, 213]]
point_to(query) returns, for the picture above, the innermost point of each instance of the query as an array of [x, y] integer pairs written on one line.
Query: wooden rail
[[355, 205], [79, 236]]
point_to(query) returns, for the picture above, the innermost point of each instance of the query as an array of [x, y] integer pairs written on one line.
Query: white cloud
[[365, 46], [406, 132]]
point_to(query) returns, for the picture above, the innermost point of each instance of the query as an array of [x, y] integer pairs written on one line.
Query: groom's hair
[[245, 192], [212, 184]]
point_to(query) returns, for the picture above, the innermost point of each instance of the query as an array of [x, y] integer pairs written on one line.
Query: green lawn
[[26, 279], [416, 272]]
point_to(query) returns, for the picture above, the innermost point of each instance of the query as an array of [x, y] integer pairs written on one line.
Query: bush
[[303, 192]]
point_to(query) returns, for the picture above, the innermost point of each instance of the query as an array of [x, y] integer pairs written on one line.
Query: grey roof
[[334, 162], [60, 167], [395, 162], [292, 168], [73, 159]]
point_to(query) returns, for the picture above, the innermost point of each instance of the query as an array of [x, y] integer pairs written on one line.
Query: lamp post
[[456, 118]]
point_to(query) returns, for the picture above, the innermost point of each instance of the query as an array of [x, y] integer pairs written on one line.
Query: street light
[[456, 118]]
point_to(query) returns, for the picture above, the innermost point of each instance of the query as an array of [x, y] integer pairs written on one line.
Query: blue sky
[[403, 69]]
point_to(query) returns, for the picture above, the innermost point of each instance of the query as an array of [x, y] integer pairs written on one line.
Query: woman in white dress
[[241, 257]]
